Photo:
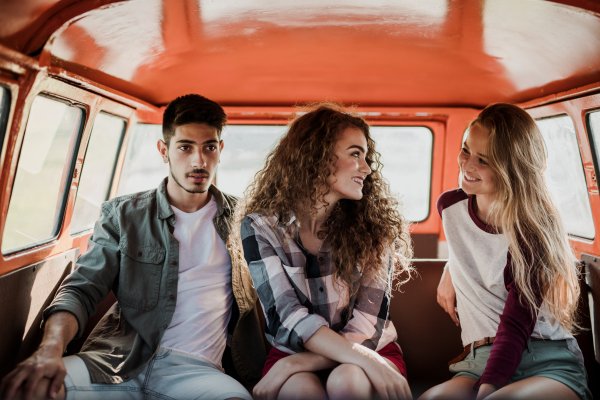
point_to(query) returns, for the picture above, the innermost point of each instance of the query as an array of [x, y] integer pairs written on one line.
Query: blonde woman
[[319, 232], [511, 269]]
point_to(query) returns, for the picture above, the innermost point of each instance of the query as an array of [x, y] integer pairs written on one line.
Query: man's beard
[[196, 171]]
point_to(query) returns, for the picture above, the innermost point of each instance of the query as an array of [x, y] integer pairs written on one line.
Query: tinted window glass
[[406, 153], [98, 169], [143, 168], [246, 147], [565, 175], [37, 200], [594, 132], [4, 110]]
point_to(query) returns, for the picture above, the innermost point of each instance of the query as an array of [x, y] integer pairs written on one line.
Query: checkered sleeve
[[371, 310], [288, 321]]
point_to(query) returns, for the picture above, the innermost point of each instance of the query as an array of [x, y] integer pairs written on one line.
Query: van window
[[406, 153], [43, 174], [593, 120], [246, 148], [4, 111], [565, 175], [97, 172], [143, 168]]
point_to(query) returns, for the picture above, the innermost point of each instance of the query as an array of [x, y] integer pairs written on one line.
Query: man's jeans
[[170, 375]]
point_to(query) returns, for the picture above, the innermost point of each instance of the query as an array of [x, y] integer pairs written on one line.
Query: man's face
[[193, 154]]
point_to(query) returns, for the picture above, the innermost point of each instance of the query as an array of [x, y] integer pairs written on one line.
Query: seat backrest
[[428, 336]]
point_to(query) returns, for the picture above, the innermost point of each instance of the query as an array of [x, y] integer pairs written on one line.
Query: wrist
[[52, 348], [288, 365], [365, 358]]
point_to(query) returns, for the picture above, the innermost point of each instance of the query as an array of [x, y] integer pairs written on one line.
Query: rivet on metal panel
[[33, 269]]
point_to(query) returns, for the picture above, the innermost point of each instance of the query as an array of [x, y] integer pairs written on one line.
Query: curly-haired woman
[[319, 233]]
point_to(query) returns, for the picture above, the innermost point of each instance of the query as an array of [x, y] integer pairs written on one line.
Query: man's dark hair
[[189, 109]]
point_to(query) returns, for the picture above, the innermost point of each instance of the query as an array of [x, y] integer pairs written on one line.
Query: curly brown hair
[[361, 232]]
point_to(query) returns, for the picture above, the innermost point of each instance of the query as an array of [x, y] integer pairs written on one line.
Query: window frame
[[67, 173], [114, 167], [592, 142], [93, 103], [564, 114]]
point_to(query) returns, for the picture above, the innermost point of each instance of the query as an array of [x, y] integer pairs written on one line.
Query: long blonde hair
[[361, 232], [542, 259]]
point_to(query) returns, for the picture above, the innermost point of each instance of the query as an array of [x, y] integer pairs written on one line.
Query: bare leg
[[301, 386], [41, 391], [456, 388], [537, 387], [349, 381]]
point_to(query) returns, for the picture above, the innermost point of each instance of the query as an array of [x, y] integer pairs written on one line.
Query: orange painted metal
[[426, 53]]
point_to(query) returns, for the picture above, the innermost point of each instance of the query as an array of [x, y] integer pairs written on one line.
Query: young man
[[179, 300]]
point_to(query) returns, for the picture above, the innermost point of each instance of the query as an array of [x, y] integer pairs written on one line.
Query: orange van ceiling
[[372, 53]]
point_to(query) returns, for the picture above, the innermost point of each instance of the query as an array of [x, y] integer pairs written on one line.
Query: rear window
[[244, 154], [43, 174], [406, 153], [98, 170], [565, 175], [143, 168]]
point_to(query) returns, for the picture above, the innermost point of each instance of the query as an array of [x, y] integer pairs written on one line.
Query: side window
[[43, 173], [593, 123], [565, 175], [98, 170], [406, 153], [4, 111], [143, 168], [246, 147]]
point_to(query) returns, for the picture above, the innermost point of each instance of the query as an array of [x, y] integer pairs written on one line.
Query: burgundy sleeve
[[449, 198], [516, 326]]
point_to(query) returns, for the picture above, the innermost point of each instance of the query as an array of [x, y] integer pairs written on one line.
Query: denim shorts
[[550, 359], [170, 375]]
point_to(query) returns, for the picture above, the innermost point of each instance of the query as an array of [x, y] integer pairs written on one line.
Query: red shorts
[[392, 352]]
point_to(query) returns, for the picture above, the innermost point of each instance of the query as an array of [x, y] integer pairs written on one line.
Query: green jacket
[[133, 252]]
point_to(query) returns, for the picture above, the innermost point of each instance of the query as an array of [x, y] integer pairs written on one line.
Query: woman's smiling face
[[476, 176], [350, 168]]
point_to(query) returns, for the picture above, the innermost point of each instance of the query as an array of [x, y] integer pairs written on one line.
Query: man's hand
[[485, 390], [45, 363], [446, 295]]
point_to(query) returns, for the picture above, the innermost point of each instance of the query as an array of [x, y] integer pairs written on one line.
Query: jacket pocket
[[139, 275]]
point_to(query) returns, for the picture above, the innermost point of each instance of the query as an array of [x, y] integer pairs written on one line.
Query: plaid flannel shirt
[[297, 292]]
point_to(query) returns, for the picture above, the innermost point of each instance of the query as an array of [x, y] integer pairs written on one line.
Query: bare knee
[[349, 381], [457, 388], [302, 386]]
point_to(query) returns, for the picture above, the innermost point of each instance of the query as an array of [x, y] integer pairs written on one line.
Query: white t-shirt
[[204, 294]]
